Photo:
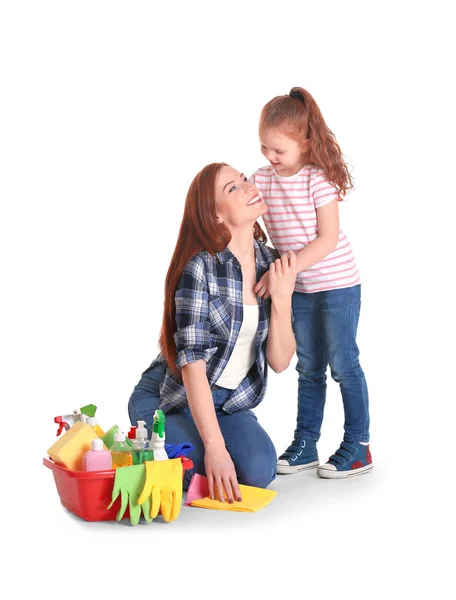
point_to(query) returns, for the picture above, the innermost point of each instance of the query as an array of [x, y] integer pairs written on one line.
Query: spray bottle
[[158, 436], [66, 421], [92, 421]]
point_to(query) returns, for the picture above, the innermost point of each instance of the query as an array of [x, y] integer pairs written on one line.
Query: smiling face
[[238, 202], [286, 155]]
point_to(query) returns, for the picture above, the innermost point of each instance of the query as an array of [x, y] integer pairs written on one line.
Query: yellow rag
[[253, 500]]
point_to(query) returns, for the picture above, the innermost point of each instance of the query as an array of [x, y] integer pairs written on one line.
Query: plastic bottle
[[141, 446], [158, 436], [97, 459], [108, 437], [94, 424], [120, 451]]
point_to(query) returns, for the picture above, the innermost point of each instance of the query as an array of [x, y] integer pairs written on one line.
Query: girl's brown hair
[[297, 115], [199, 230]]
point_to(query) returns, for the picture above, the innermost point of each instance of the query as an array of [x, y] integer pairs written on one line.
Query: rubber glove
[[175, 450], [163, 488], [128, 482]]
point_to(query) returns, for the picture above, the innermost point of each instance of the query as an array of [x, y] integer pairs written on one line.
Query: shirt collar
[[226, 255]]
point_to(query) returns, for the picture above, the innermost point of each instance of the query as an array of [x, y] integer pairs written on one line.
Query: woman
[[218, 337]]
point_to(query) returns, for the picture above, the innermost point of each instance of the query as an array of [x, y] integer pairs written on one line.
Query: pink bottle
[[97, 459]]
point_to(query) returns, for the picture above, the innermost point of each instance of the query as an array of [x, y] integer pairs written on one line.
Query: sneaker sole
[[290, 470], [331, 474]]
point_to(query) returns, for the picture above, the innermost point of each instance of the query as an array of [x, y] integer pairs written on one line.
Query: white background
[[108, 110]]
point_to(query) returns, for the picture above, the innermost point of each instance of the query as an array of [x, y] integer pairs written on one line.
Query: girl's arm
[[281, 344], [219, 465], [326, 240]]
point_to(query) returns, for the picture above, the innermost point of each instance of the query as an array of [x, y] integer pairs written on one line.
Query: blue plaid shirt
[[209, 312]]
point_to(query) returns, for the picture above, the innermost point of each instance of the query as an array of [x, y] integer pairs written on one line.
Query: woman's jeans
[[249, 446], [325, 325]]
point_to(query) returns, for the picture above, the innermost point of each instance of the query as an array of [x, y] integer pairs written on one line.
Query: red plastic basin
[[88, 493]]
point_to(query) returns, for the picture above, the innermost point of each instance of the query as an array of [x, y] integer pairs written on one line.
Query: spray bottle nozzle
[[159, 423]]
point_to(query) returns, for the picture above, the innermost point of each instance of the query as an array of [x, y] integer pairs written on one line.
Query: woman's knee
[[143, 403], [258, 469]]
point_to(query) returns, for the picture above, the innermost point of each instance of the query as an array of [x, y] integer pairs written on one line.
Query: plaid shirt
[[209, 310]]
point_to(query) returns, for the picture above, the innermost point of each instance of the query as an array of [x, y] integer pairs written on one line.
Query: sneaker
[[299, 456], [352, 458]]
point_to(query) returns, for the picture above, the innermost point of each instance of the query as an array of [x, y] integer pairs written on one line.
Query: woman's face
[[237, 201]]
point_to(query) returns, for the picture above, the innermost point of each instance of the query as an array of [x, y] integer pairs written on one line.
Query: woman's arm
[[281, 344], [220, 470], [194, 348]]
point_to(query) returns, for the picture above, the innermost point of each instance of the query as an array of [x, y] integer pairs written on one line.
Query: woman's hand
[[262, 287], [221, 475], [282, 277]]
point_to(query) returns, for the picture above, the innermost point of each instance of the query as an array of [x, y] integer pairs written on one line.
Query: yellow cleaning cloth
[[253, 500]]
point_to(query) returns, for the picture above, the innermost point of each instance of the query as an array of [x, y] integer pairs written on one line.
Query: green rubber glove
[[129, 483]]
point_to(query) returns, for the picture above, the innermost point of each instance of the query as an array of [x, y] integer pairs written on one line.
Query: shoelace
[[293, 448], [346, 452]]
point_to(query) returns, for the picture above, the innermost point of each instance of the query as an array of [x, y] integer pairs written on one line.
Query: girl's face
[[286, 155], [238, 202]]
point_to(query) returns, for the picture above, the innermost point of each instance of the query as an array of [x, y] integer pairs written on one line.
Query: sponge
[[69, 449]]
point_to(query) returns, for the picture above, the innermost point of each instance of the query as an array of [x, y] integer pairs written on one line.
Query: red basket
[[88, 493]]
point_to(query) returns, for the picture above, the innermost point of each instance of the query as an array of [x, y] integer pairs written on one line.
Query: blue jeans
[[249, 446], [325, 325]]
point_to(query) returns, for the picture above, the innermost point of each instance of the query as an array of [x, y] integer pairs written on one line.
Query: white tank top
[[243, 355]]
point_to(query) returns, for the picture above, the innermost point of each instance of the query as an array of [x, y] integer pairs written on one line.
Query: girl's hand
[[262, 287], [221, 475], [282, 277]]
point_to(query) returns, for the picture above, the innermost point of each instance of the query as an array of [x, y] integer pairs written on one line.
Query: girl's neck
[[241, 245]]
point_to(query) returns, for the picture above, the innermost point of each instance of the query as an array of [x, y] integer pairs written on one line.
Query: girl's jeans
[[325, 325], [249, 446]]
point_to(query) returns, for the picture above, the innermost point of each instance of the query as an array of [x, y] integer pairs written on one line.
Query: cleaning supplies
[[158, 436], [142, 450], [69, 449], [97, 459], [108, 437], [120, 451], [80, 414], [92, 421]]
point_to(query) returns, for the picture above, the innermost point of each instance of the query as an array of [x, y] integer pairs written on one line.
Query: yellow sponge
[[69, 449]]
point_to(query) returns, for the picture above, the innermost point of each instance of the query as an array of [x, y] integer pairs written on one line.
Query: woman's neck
[[241, 245]]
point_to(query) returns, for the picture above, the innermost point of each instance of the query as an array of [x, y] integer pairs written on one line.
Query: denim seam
[[363, 435]]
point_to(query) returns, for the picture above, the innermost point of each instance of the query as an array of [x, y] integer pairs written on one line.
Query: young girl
[[306, 178]]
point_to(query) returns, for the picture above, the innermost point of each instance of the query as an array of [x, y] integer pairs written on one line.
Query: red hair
[[298, 116], [199, 230]]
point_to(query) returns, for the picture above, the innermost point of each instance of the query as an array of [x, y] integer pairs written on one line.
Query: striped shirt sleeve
[[321, 190], [192, 338]]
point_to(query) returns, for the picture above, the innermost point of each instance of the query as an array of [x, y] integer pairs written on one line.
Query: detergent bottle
[[142, 450], [97, 459], [92, 421], [120, 451], [108, 437], [158, 436]]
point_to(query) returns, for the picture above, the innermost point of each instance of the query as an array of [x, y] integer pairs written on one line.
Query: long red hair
[[298, 116], [199, 230]]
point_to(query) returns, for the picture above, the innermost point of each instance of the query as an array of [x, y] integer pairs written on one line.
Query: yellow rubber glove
[[164, 488]]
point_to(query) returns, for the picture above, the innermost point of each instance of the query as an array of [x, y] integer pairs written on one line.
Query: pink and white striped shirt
[[291, 223]]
